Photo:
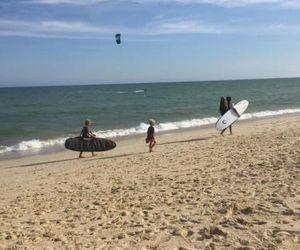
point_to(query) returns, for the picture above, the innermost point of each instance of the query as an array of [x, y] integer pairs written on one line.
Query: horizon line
[[163, 82]]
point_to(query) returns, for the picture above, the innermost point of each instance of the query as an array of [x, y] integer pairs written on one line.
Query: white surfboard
[[231, 116]]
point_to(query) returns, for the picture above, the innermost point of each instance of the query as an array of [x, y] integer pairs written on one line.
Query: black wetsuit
[[150, 133], [224, 107], [85, 132]]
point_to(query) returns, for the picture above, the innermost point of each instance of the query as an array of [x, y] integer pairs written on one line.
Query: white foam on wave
[[37, 144], [139, 91], [122, 132], [142, 127], [129, 92], [268, 113], [31, 144], [186, 124]]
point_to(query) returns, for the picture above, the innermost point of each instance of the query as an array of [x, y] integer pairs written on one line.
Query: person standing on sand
[[226, 105], [86, 134], [150, 135]]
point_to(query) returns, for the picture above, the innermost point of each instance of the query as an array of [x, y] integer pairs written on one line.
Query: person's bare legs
[[223, 131], [154, 143], [151, 145], [80, 154], [230, 129]]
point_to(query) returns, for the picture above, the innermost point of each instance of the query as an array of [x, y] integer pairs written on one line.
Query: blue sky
[[59, 42]]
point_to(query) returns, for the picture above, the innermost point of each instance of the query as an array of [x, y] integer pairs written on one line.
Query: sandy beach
[[198, 190]]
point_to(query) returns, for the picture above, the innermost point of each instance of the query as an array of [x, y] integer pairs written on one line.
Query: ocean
[[41, 118]]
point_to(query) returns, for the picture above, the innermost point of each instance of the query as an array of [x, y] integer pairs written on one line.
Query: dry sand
[[198, 190]]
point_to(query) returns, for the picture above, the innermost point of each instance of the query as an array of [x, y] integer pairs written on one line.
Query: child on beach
[[150, 135], [86, 134]]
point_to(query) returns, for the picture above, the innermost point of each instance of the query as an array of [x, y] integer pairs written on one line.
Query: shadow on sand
[[109, 157], [74, 159], [185, 141]]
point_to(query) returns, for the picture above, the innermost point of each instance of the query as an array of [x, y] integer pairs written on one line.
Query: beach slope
[[198, 190]]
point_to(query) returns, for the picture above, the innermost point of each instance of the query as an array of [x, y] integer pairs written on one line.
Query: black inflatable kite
[[118, 38]]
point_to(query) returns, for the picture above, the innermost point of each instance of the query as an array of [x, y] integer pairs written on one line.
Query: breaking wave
[[37, 144]]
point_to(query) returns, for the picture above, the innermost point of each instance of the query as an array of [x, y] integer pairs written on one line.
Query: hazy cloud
[[293, 4], [82, 30], [73, 2], [51, 28], [76, 29], [185, 27], [283, 28], [231, 3]]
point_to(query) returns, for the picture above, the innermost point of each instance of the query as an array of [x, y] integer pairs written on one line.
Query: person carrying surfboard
[[227, 105], [150, 135], [86, 134]]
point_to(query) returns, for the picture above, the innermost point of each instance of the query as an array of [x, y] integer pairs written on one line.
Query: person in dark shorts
[[86, 134], [150, 135]]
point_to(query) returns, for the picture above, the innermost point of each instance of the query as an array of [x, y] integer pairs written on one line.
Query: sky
[[67, 42]]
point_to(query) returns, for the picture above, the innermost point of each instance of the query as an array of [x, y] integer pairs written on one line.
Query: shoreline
[[59, 149]]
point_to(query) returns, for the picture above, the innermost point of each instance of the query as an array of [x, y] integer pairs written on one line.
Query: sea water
[[36, 118]]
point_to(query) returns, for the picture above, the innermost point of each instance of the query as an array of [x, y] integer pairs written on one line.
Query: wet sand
[[198, 190]]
